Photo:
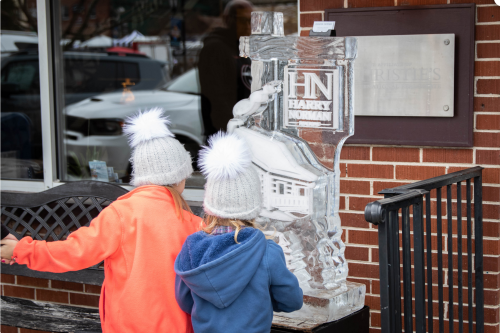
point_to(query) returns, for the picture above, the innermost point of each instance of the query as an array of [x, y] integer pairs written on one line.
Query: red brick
[[491, 193], [52, 296], [488, 86], [396, 154], [418, 172], [341, 202], [491, 328], [21, 292], [479, 2], [486, 104], [353, 220], [304, 32], [67, 285], [27, 330], [375, 284], [489, 211], [375, 320], [487, 68], [488, 50], [320, 5], [488, 14], [491, 297], [33, 282], [7, 278], [486, 139], [488, 121], [491, 247], [488, 32], [491, 229], [491, 264], [448, 155], [379, 186], [369, 3], [354, 186], [8, 329], [488, 157], [373, 302], [370, 171], [363, 237], [363, 270], [420, 2], [92, 289], [491, 176], [356, 253], [359, 203], [83, 299], [491, 315], [355, 153], [492, 281], [307, 20]]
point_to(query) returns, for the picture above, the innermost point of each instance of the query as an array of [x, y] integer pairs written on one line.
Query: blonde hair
[[179, 203], [210, 222]]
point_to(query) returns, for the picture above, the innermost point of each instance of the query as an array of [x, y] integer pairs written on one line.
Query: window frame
[[48, 100]]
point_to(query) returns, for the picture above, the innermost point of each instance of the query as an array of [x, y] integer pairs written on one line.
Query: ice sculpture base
[[322, 306]]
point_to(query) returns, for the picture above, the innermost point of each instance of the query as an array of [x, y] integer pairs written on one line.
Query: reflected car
[[94, 125], [86, 74]]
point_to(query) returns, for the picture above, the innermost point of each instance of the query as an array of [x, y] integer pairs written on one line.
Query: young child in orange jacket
[[138, 236]]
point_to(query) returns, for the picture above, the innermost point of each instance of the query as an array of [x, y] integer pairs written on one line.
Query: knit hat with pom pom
[[233, 185], [157, 157]]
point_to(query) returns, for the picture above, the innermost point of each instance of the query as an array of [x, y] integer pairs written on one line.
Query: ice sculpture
[[302, 88]]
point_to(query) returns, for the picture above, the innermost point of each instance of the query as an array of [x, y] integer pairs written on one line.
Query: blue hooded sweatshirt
[[229, 287]]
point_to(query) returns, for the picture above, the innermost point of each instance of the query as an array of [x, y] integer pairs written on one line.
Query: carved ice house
[[287, 186]]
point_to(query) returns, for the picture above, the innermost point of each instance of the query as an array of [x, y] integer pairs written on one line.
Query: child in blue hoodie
[[230, 278]]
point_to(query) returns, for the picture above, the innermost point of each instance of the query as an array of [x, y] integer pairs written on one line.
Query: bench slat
[[48, 317]]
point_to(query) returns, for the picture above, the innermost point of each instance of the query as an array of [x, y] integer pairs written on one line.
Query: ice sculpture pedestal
[[356, 322], [324, 305]]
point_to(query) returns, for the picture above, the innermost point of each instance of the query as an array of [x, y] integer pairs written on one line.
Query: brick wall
[[68, 293], [367, 169]]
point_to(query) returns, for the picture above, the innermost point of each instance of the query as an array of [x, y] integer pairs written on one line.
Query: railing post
[[384, 248], [394, 275], [418, 237], [478, 257]]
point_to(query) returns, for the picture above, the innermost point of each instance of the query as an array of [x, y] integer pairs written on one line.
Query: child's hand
[[7, 249]]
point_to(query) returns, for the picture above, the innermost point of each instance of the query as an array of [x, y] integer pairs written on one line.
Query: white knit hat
[[157, 158], [233, 185]]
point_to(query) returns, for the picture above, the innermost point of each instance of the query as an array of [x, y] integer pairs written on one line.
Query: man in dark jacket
[[224, 76]]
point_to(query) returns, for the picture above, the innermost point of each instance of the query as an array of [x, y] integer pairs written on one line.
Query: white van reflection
[[94, 125]]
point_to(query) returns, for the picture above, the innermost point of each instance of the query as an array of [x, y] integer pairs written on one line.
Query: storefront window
[[118, 57], [21, 127]]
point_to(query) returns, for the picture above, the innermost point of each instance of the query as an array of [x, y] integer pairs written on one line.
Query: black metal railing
[[407, 201]]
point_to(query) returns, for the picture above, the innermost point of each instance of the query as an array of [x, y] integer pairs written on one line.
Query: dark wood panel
[[409, 20]]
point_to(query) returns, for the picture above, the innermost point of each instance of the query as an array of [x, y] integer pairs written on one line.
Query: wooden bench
[[52, 215]]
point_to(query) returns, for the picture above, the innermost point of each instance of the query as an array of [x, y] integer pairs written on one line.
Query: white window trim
[[48, 116]]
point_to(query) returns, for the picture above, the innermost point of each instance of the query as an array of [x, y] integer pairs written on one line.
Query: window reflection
[[118, 57], [21, 146]]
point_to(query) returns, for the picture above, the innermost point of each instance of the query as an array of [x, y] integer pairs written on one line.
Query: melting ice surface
[[302, 92]]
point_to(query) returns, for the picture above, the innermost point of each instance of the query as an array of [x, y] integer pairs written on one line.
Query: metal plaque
[[405, 75]]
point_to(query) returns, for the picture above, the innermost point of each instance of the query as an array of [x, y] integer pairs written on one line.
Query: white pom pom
[[147, 125], [226, 157]]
